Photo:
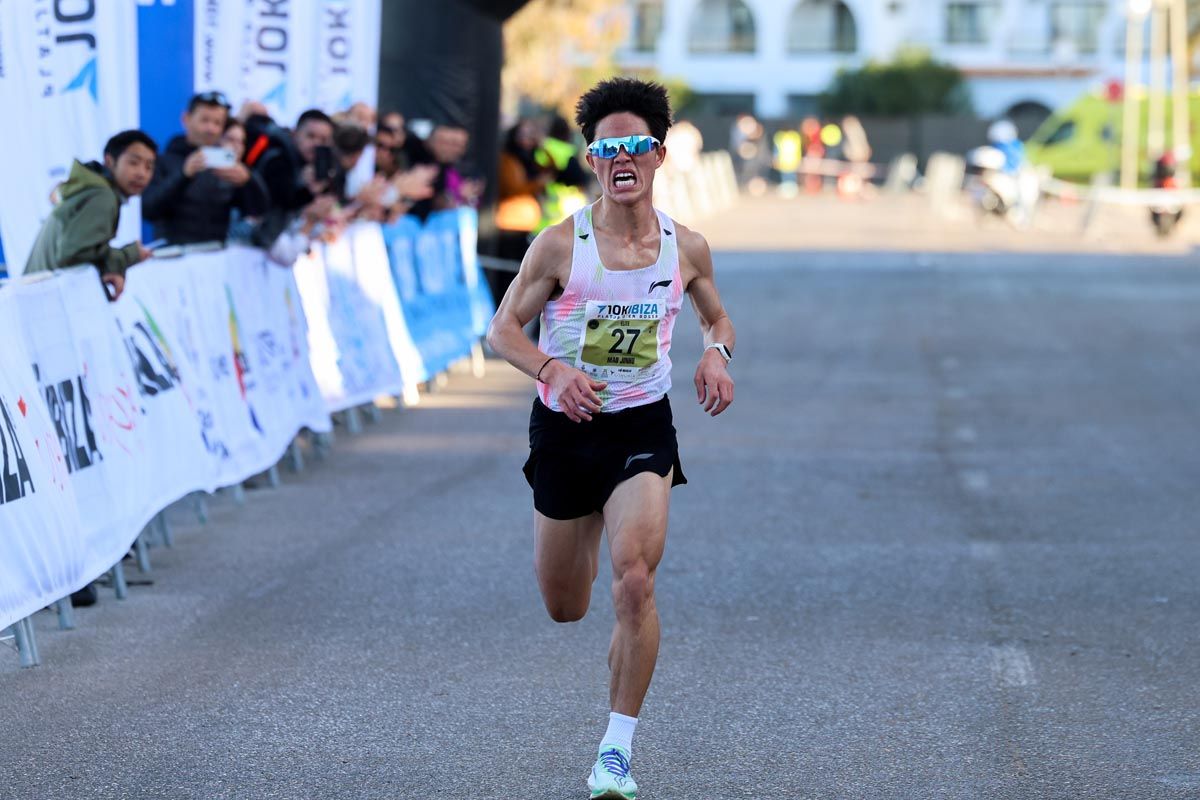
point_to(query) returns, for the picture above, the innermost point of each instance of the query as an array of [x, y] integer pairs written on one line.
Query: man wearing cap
[[197, 184]]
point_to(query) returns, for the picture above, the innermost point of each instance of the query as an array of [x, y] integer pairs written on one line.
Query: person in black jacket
[[287, 161], [190, 199]]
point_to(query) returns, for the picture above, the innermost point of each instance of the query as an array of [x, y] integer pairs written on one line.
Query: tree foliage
[[556, 49], [913, 83]]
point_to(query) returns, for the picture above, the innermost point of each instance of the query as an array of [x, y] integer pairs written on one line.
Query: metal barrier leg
[[238, 492], [273, 476], [353, 421], [164, 529], [120, 588], [295, 457], [374, 413], [33, 645], [322, 443], [26, 643], [142, 551], [201, 506], [66, 614]]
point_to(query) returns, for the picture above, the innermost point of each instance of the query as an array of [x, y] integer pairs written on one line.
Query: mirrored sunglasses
[[637, 145]]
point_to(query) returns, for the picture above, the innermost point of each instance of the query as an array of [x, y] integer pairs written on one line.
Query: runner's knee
[[633, 590], [566, 609], [565, 602]]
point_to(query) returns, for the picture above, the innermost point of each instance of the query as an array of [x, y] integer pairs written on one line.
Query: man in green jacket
[[80, 227]]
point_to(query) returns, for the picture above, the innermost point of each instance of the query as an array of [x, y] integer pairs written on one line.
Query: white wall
[[771, 74]]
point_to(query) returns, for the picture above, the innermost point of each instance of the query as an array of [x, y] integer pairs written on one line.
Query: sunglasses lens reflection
[[634, 146]]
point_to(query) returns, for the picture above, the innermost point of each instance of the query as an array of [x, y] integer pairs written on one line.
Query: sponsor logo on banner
[[336, 48], [151, 357], [66, 31], [239, 360], [15, 480], [270, 25], [71, 414], [209, 25]]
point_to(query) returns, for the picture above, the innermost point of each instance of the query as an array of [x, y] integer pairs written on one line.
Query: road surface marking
[[1010, 666]]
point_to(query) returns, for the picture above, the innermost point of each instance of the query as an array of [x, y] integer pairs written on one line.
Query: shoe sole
[[613, 794]]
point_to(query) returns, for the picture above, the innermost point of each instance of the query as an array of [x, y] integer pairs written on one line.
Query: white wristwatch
[[722, 349]]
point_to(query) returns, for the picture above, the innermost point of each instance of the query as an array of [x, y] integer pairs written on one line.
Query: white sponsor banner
[[220, 37], [378, 285], [348, 33], [69, 70], [277, 57], [198, 377], [343, 287], [268, 331], [42, 547]]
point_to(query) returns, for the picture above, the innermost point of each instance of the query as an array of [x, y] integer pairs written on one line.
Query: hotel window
[[721, 26], [1077, 22], [970, 23], [647, 25], [822, 26]]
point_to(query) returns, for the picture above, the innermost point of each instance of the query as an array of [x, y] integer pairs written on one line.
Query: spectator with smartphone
[[199, 181], [84, 220], [297, 167]]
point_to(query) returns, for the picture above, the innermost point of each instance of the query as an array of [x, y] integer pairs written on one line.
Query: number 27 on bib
[[620, 339]]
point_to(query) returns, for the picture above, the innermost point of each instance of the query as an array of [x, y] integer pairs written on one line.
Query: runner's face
[[640, 167]]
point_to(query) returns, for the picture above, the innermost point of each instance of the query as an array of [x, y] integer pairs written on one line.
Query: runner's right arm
[[540, 276]]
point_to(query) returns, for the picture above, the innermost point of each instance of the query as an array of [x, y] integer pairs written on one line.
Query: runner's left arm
[[714, 387]]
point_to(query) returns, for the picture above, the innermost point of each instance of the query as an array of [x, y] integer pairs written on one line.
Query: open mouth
[[624, 179]]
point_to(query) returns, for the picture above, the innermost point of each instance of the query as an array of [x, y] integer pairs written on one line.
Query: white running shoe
[[610, 778]]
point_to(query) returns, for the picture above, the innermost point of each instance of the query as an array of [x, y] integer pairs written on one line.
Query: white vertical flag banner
[[220, 36], [277, 57], [348, 53], [69, 72]]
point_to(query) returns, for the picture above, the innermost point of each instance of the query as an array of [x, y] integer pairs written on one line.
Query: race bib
[[620, 339]]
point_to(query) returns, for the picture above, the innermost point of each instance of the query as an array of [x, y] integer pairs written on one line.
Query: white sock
[[620, 732]]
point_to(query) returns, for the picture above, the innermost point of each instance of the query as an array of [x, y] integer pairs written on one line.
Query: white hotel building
[[776, 56]]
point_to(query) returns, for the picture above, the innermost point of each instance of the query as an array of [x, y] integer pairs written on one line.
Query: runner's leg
[[635, 517], [566, 557]]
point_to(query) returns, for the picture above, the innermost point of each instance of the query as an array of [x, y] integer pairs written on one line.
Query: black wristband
[[538, 377]]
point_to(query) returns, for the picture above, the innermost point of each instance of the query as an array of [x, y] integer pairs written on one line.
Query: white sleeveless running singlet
[[615, 325]]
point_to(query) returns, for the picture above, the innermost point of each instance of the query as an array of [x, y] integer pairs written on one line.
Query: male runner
[[608, 284]]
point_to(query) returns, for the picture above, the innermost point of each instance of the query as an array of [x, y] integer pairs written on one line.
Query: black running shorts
[[573, 467]]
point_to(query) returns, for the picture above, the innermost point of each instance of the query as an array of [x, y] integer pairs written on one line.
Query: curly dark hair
[[644, 99]]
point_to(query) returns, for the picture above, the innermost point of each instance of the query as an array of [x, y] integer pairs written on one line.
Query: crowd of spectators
[[244, 177]]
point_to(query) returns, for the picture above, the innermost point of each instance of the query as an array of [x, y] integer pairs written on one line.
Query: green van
[[1084, 139]]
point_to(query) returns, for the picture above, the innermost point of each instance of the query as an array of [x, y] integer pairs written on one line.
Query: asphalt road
[[944, 545]]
